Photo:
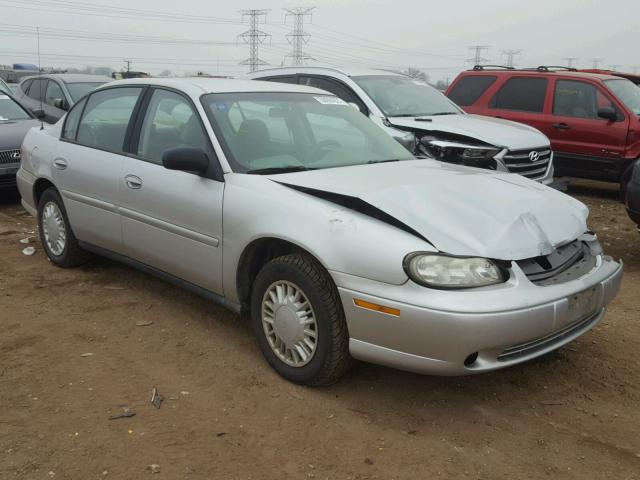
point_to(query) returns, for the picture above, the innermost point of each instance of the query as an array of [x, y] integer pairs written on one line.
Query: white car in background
[[426, 122]]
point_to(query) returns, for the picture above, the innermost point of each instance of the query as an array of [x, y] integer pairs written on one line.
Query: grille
[[518, 161], [566, 263], [7, 156], [524, 349]]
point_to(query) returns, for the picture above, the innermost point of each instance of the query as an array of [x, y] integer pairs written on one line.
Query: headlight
[[473, 155], [442, 271]]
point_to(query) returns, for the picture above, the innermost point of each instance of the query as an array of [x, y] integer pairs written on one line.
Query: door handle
[[561, 126], [60, 163], [133, 182]]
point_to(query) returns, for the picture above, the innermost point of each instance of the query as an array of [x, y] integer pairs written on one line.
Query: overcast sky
[[429, 35]]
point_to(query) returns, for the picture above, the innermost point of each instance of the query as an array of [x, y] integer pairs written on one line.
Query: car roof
[[72, 77], [199, 86], [349, 72], [536, 72]]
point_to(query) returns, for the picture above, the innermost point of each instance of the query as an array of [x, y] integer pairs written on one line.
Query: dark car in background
[[592, 120], [15, 122], [56, 93], [633, 195]]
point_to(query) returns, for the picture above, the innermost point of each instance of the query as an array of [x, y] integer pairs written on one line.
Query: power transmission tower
[[570, 61], [297, 38], [596, 62], [254, 37], [478, 50], [128, 62], [511, 54]]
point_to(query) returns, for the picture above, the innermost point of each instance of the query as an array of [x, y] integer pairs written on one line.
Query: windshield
[[274, 132], [10, 110], [399, 96], [627, 92], [79, 90]]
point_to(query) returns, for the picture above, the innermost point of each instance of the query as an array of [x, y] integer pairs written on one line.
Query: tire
[[624, 181], [70, 255], [330, 360]]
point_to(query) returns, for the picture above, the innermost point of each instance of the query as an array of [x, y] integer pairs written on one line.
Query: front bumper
[[436, 331], [8, 175]]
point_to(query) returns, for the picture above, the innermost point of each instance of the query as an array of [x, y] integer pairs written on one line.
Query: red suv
[[592, 120]]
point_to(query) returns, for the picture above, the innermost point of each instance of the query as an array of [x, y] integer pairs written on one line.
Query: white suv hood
[[459, 210], [495, 131]]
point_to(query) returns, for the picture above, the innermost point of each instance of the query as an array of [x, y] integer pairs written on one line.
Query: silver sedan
[[285, 202]]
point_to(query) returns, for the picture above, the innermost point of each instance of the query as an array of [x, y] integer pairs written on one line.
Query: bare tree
[[417, 74]]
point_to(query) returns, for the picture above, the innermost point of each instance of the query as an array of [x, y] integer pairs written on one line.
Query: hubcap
[[53, 228], [289, 323]]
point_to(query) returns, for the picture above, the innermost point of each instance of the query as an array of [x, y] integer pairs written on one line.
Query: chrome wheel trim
[[53, 228], [289, 323]]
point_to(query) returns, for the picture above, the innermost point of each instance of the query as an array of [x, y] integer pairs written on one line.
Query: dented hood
[[495, 131], [459, 210]]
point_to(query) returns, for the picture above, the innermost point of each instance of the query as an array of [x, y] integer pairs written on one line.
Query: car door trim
[[203, 292], [93, 202], [169, 227]]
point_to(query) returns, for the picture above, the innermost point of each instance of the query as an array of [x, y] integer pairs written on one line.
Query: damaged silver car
[[284, 202]]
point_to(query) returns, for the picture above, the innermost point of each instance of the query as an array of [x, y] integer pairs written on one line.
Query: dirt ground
[[72, 355]]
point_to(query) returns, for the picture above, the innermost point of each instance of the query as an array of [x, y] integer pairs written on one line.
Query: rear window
[[524, 94], [469, 89]]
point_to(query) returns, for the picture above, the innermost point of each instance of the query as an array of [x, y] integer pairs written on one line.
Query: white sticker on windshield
[[328, 100], [4, 97]]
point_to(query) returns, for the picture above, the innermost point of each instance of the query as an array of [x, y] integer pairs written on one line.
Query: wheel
[[299, 322], [56, 236], [624, 181]]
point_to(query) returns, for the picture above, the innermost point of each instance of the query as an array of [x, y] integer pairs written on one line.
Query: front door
[[172, 220]]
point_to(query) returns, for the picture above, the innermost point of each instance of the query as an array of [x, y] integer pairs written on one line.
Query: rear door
[[522, 99], [585, 144], [172, 220], [89, 162]]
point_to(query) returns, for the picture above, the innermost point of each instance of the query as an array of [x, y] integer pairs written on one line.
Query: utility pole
[[128, 62], [596, 62], [254, 37], [570, 61], [511, 54], [478, 50], [297, 38]]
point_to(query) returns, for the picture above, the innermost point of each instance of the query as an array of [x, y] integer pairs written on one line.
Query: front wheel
[[56, 236], [299, 321]]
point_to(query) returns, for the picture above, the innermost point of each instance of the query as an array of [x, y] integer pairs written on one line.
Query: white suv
[[427, 122]]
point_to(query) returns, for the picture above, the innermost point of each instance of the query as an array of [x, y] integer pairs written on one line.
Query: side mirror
[[39, 113], [608, 113], [60, 103], [186, 159]]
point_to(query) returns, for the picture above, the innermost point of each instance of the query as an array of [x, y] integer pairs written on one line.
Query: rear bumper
[[26, 181], [439, 341]]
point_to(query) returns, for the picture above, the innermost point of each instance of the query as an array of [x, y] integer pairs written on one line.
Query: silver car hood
[[459, 210], [495, 131]]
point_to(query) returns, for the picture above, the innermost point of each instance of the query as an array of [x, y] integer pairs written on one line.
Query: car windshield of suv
[[266, 132], [399, 96], [79, 90], [10, 110], [627, 92]]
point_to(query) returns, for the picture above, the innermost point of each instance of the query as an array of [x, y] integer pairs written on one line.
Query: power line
[[297, 38], [570, 61], [478, 50], [511, 54], [254, 37]]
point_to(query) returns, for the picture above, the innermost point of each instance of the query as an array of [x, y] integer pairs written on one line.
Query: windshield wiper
[[275, 170], [371, 162], [442, 113]]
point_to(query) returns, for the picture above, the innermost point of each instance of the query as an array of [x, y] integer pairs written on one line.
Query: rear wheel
[[624, 181], [59, 242], [299, 322]]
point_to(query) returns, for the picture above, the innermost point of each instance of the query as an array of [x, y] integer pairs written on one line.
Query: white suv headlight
[[443, 271]]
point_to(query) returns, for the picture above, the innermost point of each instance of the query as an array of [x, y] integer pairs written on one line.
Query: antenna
[[39, 72]]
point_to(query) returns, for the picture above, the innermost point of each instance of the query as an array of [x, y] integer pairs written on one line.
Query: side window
[[524, 94], [170, 122], [469, 89], [53, 93], [573, 98], [24, 86], [35, 90], [336, 88], [73, 119], [250, 116], [106, 118]]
